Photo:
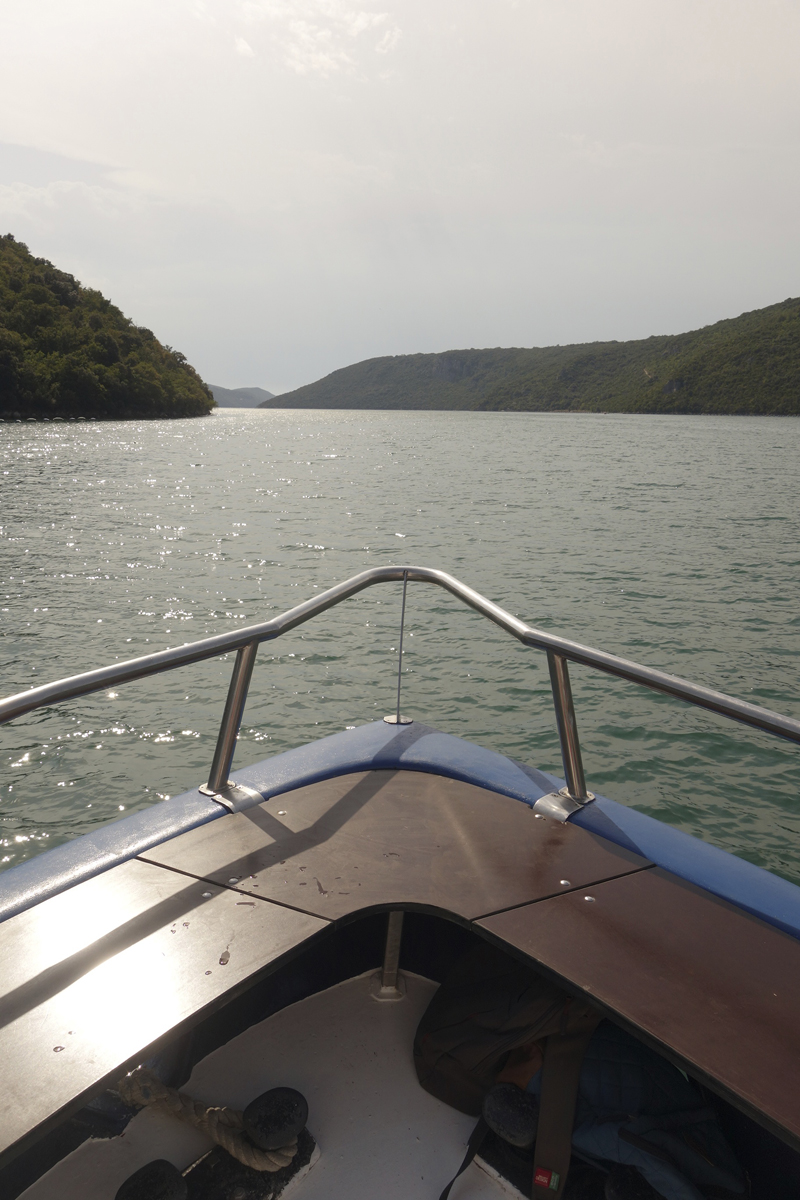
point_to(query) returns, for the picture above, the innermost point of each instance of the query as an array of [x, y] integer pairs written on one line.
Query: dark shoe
[[626, 1183], [512, 1114], [275, 1118], [159, 1180]]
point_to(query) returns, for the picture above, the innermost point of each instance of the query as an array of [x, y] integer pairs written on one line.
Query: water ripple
[[669, 540]]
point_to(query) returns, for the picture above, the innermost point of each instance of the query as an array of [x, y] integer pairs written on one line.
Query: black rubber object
[[511, 1113], [158, 1180], [275, 1118]]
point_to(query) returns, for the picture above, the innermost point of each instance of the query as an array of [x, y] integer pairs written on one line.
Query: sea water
[[674, 541]]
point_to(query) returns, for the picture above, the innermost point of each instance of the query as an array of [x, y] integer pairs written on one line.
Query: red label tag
[[546, 1179]]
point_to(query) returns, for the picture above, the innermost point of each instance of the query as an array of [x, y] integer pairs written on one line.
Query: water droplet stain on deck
[[207, 895], [56, 1049], [224, 958]]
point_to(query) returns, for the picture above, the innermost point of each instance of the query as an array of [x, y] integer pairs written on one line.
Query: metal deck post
[[567, 727], [231, 719], [391, 957]]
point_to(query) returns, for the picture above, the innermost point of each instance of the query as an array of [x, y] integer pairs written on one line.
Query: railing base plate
[[234, 797], [560, 805]]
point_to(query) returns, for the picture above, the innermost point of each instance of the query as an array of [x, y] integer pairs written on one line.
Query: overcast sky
[[281, 187]]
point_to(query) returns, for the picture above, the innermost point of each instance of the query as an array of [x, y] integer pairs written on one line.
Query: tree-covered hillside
[[454, 379], [66, 351], [750, 364], [244, 397]]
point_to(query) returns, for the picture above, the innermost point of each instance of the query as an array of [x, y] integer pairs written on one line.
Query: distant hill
[[454, 379], [254, 397], [66, 351], [749, 364]]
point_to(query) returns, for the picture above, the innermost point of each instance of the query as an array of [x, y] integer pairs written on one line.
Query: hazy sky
[[282, 187]]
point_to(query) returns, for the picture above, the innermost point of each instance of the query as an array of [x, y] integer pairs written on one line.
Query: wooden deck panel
[[403, 838], [107, 969], [123, 959], [114, 964], [713, 986]]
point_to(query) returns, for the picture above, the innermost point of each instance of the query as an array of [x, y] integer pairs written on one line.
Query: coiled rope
[[223, 1125]]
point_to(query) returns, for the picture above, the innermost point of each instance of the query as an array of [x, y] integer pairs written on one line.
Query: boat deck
[[97, 977], [378, 1132]]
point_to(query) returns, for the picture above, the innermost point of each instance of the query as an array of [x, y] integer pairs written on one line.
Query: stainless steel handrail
[[559, 651]]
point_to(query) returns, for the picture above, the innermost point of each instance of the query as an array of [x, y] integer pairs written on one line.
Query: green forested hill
[[66, 351], [454, 379], [750, 364]]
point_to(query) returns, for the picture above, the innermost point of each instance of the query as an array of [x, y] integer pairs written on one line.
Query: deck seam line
[[566, 892], [225, 887]]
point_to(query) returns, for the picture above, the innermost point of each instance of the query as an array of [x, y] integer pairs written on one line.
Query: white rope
[[223, 1125]]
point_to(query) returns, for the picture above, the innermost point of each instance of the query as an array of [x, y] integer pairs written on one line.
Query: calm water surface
[[674, 541]]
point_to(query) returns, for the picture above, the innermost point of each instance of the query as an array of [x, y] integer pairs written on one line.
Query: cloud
[[244, 48], [320, 36], [389, 40], [26, 164], [316, 48]]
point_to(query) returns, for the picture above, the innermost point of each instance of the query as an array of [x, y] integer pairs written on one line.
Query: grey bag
[[488, 1005]]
